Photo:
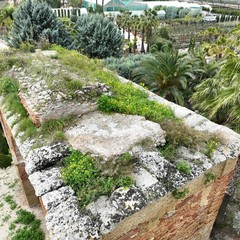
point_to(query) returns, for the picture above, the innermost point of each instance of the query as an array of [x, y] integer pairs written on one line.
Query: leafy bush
[[97, 36], [3, 143], [34, 21], [124, 65], [209, 177], [5, 160], [82, 175], [6, 16]]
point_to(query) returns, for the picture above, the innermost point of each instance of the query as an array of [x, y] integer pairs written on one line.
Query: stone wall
[[132, 213]]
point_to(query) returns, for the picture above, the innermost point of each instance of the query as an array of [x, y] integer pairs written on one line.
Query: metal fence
[[68, 12]]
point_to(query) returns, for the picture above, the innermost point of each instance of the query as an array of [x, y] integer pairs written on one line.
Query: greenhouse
[[117, 5]]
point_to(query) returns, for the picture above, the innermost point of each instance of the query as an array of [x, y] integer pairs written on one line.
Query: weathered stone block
[[45, 156], [119, 132], [54, 198], [46, 180], [66, 221]]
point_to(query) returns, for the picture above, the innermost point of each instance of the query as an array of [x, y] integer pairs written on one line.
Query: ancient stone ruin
[[148, 210]]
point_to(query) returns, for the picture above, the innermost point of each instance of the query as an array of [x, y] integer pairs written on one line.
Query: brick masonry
[[191, 218]]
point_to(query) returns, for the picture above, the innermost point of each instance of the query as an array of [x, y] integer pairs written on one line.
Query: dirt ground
[[11, 186]]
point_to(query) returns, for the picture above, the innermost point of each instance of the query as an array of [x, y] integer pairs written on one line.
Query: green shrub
[[5, 160], [7, 60], [29, 233], [132, 101], [98, 37], [82, 175], [124, 65], [168, 151], [32, 229], [6, 16], [24, 217], [8, 85], [27, 47]]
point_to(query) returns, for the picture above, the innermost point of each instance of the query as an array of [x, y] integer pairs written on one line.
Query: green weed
[[211, 147], [29, 233], [184, 167], [82, 175], [9, 199], [6, 218], [180, 194], [12, 226], [24, 217], [209, 177], [168, 151]]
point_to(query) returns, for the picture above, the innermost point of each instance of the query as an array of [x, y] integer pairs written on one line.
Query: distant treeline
[[222, 1], [224, 11]]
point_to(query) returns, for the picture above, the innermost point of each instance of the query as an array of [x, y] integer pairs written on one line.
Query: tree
[[54, 3], [97, 36], [124, 21], [165, 73], [135, 27], [6, 16], [150, 21], [218, 98], [34, 21]]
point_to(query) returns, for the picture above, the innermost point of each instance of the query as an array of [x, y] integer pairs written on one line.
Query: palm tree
[[219, 97], [148, 21], [165, 73], [124, 21], [222, 47], [135, 27], [143, 28]]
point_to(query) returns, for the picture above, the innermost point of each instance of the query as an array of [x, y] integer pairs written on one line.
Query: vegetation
[[209, 177], [184, 167], [218, 98], [9, 89], [125, 65], [31, 230], [81, 173], [9, 199], [180, 194], [34, 21], [97, 36], [129, 100], [5, 160], [167, 74], [6, 16]]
